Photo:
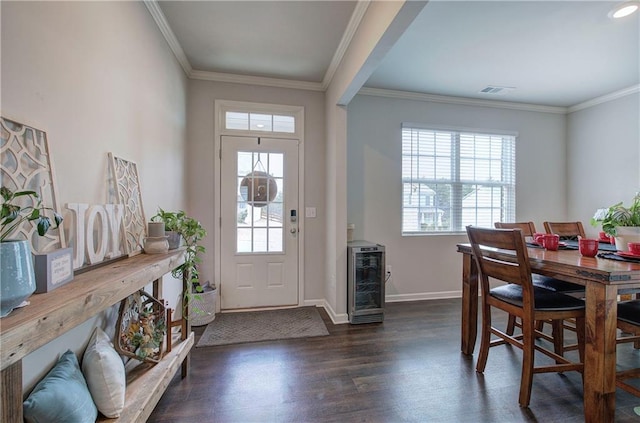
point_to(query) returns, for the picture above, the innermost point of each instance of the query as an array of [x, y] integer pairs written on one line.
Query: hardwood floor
[[407, 369]]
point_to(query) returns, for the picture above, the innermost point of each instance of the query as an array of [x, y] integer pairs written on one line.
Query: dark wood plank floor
[[407, 369]]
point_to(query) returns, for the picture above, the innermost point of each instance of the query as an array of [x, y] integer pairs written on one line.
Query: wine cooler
[[365, 282]]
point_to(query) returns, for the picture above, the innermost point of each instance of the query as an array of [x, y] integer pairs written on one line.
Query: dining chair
[[629, 324], [521, 298], [566, 230], [527, 228], [552, 284]]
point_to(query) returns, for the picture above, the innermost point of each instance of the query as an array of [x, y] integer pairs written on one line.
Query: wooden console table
[[52, 314]]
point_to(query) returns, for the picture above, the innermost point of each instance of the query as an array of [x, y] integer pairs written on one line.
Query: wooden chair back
[[566, 230], [527, 228], [511, 269]]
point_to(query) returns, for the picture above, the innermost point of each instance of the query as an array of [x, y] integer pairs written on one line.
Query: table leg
[[469, 304], [600, 353]]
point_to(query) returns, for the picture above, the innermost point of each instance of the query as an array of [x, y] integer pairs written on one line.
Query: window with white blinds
[[453, 178]]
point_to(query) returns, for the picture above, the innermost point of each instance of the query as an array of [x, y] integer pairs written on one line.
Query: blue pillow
[[62, 396]]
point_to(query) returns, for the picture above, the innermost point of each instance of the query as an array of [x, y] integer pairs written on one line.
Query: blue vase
[[17, 279]]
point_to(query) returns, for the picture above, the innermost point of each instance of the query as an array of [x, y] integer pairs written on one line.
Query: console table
[[51, 314]]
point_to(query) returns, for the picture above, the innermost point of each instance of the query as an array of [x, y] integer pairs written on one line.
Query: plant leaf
[[43, 225], [21, 193], [35, 214], [57, 218]]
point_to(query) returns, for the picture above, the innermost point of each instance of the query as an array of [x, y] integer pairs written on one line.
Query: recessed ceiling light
[[624, 9], [260, 125]]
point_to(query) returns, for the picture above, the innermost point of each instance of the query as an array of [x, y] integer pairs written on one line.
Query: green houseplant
[[192, 232], [16, 271], [171, 222], [13, 214], [621, 222]]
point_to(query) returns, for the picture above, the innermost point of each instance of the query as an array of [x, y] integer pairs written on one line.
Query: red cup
[[588, 247], [551, 241], [634, 247], [537, 238], [603, 236]]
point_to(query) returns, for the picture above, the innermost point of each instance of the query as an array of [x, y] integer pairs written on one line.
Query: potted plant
[[191, 232], [16, 273], [621, 222], [171, 225]]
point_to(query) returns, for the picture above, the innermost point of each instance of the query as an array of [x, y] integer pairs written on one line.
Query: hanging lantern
[[258, 188]]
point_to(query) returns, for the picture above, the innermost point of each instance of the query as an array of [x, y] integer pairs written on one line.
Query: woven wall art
[[26, 164], [128, 193]]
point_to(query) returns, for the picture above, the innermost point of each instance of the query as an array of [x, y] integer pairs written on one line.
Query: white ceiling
[[554, 53]]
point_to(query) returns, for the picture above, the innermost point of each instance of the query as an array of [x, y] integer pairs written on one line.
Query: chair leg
[[557, 331], [511, 325], [526, 380], [581, 336], [485, 338]]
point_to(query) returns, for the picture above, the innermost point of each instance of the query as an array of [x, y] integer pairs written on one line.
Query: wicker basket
[[141, 328], [202, 309]]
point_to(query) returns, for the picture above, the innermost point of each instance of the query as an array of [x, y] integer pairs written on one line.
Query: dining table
[[602, 276]]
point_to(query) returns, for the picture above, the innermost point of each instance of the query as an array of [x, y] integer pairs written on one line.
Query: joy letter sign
[[97, 232]]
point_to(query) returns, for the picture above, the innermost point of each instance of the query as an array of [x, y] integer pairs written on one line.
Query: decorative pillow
[[104, 371], [62, 396]]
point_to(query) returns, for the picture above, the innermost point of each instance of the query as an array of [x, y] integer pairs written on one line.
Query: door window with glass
[[453, 178], [259, 202]]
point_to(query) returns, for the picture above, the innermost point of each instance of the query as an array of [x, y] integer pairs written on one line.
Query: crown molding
[[352, 27], [169, 36], [255, 80], [605, 98], [406, 95]]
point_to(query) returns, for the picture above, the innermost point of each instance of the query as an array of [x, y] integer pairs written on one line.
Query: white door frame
[[222, 106]]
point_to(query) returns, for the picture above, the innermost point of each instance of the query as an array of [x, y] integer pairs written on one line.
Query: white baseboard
[[337, 319]]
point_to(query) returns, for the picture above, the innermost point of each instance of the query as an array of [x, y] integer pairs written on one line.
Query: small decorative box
[[53, 269]]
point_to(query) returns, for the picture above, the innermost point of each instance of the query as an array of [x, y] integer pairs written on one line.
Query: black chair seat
[[629, 311], [556, 285], [544, 298]]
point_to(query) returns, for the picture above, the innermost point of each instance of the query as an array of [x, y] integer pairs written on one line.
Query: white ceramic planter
[[625, 235], [156, 245], [203, 306]]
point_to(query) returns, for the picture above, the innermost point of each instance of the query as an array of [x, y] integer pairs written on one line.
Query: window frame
[[295, 112], [508, 206]]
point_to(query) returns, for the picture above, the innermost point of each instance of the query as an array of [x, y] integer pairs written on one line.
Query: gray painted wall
[[603, 160], [98, 77], [200, 172], [428, 266]]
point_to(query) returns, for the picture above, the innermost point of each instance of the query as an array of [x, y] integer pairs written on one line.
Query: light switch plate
[[310, 212]]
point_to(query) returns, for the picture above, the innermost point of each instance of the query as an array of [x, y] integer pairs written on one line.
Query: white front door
[[259, 222]]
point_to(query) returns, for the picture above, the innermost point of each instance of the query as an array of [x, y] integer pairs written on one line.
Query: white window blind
[[455, 178]]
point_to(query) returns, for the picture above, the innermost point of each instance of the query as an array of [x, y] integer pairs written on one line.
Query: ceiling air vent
[[496, 90]]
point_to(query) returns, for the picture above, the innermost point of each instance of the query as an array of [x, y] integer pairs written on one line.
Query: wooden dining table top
[[571, 266]]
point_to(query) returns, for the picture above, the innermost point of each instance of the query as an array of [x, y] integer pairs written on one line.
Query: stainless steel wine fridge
[[365, 282]]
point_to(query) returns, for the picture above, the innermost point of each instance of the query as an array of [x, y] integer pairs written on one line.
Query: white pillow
[[103, 370]]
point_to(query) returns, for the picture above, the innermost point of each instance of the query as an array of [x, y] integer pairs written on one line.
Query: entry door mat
[[269, 325]]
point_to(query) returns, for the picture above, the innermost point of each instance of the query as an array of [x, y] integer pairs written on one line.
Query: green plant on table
[[171, 219], [192, 232], [13, 214], [618, 215]]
